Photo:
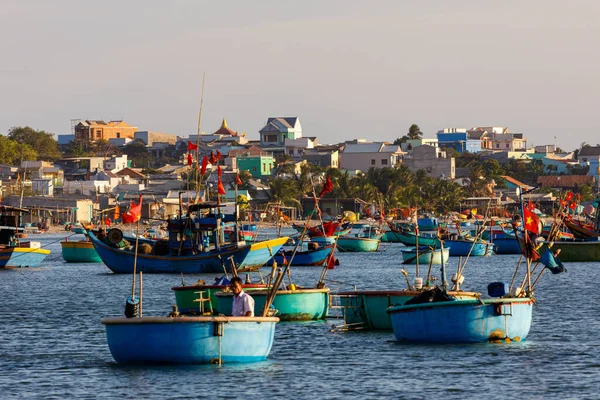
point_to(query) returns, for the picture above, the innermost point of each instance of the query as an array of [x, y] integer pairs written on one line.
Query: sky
[[347, 69]]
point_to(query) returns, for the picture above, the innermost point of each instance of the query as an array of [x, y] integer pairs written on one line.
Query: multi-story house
[[94, 130], [460, 139], [324, 156], [433, 160], [360, 155], [590, 156], [277, 130], [296, 148]]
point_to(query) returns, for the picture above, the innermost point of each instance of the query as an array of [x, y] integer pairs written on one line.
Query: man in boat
[[243, 303]]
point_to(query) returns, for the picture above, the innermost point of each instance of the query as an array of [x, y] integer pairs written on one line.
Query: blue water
[[52, 344]]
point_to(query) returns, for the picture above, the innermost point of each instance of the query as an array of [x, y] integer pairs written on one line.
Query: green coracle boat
[[79, 252], [357, 244]]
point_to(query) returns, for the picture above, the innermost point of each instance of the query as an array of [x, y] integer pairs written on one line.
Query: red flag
[[238, 181], [331, 261], [219, 171], [531, 206], [107, 221], [327, 187], [220, 187], [134, 213], [212, 159], [192, 146], [506, 214], [190, 159], [569, 196], [204, 165], [218, 156], [573, 205], [563, 203], [532, 221]]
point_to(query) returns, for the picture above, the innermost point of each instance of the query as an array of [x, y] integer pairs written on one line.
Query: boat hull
[[391, 237], [410, 239], [426, 256], [292, 305], [189, 340], [506, 246], [247, 256], [22, 257], [357, 244], [367, 309], [463, 321], [79, 252], [463, 247], [575, 251], [304, 258]]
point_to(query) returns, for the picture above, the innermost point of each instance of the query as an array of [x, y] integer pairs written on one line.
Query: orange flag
[[238, 181]]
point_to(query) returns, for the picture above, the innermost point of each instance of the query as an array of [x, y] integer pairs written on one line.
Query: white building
[[362, 156]]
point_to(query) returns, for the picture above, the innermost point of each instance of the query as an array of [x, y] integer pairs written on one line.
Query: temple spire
[[224, 124]]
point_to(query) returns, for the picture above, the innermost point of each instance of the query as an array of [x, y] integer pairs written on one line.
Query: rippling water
[[53, 345]]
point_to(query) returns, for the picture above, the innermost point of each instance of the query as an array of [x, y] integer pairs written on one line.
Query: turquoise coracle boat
[[426, 255], [189, 340], [367, 309], [463, 321], [79, 251], [357, 244], [291, 305]]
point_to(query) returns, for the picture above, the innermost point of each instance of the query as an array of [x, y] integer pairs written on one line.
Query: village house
[[361, 155], [324, 156], [433, 160], [460, 140], [590, 156], [93, 130], [277, 130], [566, 182]]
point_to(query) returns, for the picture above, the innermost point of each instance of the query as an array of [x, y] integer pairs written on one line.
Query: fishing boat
[[367, 309], [465, 246], [357, 244], [575, 250], [426, 255], [196, 244], [463, 320], [436, 316], [15, 253], [298, 304], [189, 340], [314, 255], [80, 251], [199, 298], [427, 223]]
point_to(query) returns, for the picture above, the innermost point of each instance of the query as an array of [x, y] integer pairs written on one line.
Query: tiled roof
[[589, 152], [515, 182], [363, 148], [565, 181]]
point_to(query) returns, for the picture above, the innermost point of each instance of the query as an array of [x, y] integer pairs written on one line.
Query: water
[[52, 344]]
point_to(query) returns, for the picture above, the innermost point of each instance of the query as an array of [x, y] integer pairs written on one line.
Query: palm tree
[[414, 132], [284, 191]]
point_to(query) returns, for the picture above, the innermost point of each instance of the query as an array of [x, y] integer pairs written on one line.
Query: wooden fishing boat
[[79, 251], [196, 244], [324, 240], [189, 340], [463, 320], [464, 246], [391, 237], [186, 297], [575, 250], [315, 255], [367, 309], [357, 244], [15, 253], [291, 305], [426, 255], [427, 223]]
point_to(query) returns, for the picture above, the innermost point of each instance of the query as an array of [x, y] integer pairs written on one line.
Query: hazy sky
[[347, 69]]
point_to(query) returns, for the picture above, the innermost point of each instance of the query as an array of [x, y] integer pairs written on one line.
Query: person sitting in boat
[[243, 303]]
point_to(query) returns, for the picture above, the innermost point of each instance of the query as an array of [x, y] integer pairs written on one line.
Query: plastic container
[[418, 283], [497, 289]]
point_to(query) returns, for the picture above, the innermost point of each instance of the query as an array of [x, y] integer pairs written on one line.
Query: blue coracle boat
[[463, 321], [189, 340], [462, 247], [314, 256]]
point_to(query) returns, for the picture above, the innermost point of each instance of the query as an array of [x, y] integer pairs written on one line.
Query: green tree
[[414, 132], [42, 142], [12, 153]]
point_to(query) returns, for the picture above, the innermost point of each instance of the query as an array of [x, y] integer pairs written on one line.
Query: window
[[507, 145], [98, 133], [118, 134], [271, 138], [497, 145], [264, 167], [384, 161], [291, 152], [372, 162]]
